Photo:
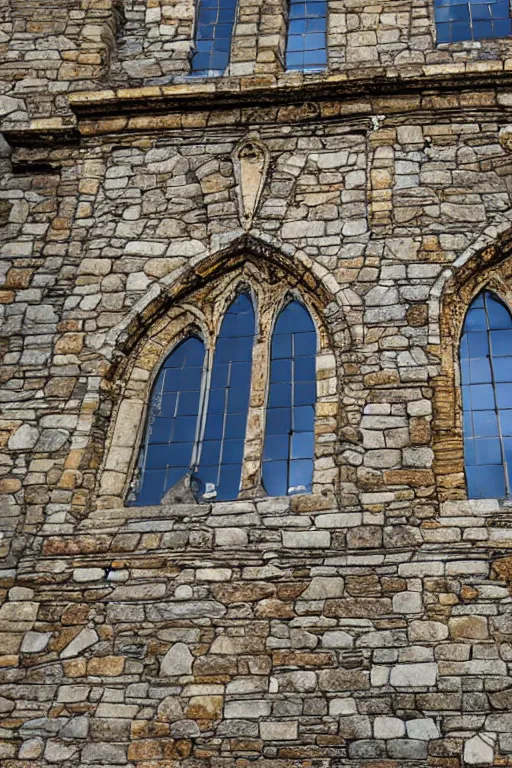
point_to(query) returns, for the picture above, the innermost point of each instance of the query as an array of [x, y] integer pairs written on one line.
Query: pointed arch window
[[486, 378], [289, 440], [222, 450], [197, 429], [172, 423]]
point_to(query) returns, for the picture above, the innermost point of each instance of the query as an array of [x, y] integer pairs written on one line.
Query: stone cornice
[[297, 97], [290, 88]]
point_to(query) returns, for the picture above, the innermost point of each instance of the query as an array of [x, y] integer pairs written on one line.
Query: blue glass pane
[[301, 474], [276, 478], [485, 424], [289, 442], [486, 378], [306, 47], [485, 482], [501, 342], [170, 434], [220, 463], [458, 20], [215, 20], [499, 316]]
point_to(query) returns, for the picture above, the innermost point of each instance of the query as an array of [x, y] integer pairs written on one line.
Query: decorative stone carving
[[250, 160]]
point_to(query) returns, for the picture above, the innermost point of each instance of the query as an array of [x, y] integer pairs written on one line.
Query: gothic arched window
[[199, 406], [306, 46], [289, 440], [458, 20], [486, 377], [222, 448], [171, 429], [214, 28]]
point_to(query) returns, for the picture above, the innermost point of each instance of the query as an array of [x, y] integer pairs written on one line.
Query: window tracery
[[201, 325]]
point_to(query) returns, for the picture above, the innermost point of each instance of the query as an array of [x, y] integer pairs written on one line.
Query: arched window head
[[214, 28], [222, 448], [289, 439], [171, 429], [486, 376], [458, 20], [306, 46]]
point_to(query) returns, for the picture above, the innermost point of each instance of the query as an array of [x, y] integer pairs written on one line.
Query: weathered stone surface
[[177, 661], [365, 623], [81, 642]]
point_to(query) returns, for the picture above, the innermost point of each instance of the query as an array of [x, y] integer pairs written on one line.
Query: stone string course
[[368, 625]]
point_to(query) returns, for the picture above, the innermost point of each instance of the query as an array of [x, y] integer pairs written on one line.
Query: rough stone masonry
[[366, 625]]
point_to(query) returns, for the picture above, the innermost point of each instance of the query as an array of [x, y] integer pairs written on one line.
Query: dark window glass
[[306, 47], [486, 377], [170, 436], [215, 20], [289, 437], [458, 20], [220, 464]]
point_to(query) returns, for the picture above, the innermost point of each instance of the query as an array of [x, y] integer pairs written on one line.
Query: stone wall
[[215, 635], [366, 624]]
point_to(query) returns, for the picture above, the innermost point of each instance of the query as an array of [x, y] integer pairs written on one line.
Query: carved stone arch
[[136, 348], [342, 306], [490, 268], [494, 241]]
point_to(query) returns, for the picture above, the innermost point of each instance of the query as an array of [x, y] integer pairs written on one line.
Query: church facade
[[255, 384]]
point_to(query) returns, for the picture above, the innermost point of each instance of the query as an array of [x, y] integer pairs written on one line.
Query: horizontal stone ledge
[[288, 88]]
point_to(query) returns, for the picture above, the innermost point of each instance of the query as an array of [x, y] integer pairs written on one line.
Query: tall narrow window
[[458, 20], [289, 439], [222, 450], [306, 47], [486, 374], [214, 27], [171, 427]]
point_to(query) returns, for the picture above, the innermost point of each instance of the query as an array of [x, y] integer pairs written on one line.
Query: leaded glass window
[[486, 377], [214, 28], [458, 20], [222, 449], [172, 422], [306, 47], [289, 440]]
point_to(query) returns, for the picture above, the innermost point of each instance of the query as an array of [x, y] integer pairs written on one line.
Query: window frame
[[201, 314], [195, 27], [487, 269], [307, 70], [506, 472], [470, 43]]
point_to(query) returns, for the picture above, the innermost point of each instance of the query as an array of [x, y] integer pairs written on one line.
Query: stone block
[[413, 675]]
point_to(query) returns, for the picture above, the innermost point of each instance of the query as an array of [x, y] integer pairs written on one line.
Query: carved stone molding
[[250, 160]]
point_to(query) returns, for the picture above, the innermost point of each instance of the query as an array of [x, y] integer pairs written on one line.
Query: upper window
[[198, 413], [214, 27], [458, 20], [486, 375], [306, 47]]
